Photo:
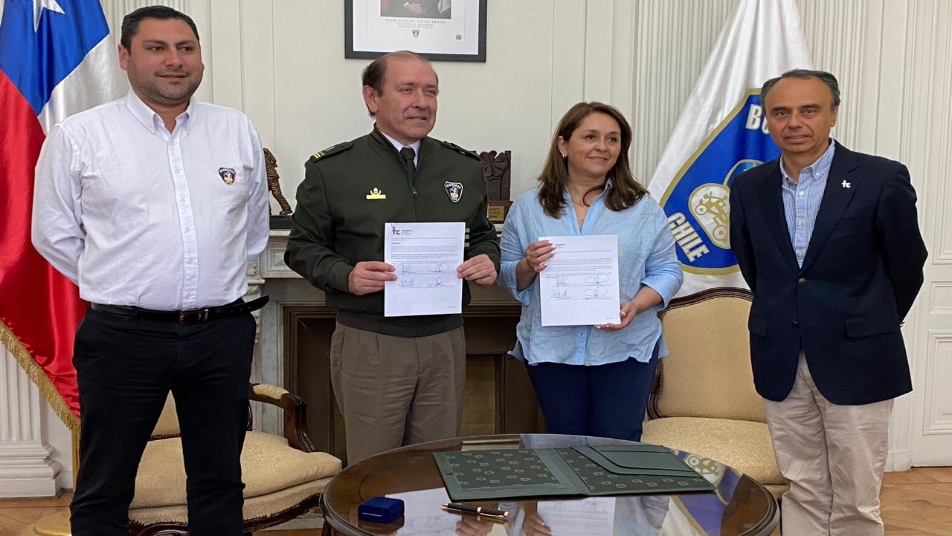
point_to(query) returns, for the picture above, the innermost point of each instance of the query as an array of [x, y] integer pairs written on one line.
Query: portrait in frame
[[440, 30]]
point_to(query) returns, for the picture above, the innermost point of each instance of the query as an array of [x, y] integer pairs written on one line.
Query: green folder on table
[[609, 470]]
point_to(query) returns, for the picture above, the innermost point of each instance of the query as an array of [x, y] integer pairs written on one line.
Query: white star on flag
[[39, 6]]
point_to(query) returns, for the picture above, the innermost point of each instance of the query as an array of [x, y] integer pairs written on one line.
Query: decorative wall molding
[[938, 398], [940, 298]]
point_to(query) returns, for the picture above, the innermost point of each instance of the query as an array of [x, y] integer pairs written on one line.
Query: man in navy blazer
[[829, 243]]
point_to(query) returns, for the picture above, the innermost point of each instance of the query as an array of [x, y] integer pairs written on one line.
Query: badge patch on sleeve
[[227, 174], [454, 190]]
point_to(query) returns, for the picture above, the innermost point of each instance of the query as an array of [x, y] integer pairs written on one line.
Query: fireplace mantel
[[490, 319]]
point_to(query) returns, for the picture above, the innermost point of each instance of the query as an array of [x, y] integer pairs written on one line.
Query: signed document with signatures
[[425, 257], [579, 286]]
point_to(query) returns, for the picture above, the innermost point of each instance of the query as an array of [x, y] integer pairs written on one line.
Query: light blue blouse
[[646, 256]]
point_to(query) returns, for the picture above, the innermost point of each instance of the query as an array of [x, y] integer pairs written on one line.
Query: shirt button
[[799, 223], [801, 194]]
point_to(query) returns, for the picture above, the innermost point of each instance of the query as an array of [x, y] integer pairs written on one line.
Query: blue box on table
[[380, 510]]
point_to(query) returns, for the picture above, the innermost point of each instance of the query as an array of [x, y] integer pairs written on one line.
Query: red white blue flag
[[721, 134], [56, 59]]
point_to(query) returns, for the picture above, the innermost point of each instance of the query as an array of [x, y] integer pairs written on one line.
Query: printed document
[[425, 256], [424, 516], [582, 517], [579, 286]]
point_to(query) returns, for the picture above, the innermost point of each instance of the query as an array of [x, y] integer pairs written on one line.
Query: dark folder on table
[[609, 470]]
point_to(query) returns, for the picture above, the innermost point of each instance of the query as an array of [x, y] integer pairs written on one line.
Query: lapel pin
[[845, 184]]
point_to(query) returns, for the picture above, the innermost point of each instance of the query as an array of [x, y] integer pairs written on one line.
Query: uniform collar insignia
[[454, 190]]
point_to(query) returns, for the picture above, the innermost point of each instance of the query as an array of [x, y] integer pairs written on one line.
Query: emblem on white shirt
[[227, 174], [376, 194], [454, 190]]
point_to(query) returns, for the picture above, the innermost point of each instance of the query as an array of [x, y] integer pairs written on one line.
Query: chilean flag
[[56, 59]]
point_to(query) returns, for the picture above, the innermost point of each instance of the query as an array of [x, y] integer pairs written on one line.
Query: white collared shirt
[[415, 146], [138, 216], [801, 199]]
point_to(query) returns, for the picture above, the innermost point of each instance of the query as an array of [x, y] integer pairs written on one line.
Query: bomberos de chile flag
[[56, 59], [722, 133]]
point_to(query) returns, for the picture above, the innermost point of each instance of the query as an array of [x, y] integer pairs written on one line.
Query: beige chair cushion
[[254, 507], [268, 466], [707, 372], [168, 421], [743, 445]]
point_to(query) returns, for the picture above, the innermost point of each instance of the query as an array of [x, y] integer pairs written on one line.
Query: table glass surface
[[739, 507]]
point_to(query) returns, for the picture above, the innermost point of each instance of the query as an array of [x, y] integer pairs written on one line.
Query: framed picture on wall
[[440, 30]]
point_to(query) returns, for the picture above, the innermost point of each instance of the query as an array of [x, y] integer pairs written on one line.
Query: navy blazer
[[860, 275]]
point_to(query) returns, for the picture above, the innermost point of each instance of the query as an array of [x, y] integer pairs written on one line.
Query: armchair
[[283, 476], [703, 400]]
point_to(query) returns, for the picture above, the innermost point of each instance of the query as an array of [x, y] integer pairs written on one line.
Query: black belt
[[190, 316]]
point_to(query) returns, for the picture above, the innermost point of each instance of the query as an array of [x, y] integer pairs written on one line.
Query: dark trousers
[[603, 401], [125, 370]]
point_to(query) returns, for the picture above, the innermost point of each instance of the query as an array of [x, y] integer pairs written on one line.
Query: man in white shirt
[[154, 205]]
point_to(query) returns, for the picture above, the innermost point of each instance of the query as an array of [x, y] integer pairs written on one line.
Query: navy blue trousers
[[603, 401], [125, 370]]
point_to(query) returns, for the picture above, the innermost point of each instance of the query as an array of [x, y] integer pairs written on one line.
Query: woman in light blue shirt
[[591, 380]]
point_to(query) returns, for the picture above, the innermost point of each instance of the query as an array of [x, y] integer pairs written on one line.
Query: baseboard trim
[[899, 460]]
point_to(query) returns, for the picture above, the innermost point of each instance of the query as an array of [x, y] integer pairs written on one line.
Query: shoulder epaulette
[[460, 150], [333, 149]]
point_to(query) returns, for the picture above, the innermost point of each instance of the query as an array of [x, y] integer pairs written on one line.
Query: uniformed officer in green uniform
[[397, 380]]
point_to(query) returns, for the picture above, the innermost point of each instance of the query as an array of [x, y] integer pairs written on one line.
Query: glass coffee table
[[739, 506]]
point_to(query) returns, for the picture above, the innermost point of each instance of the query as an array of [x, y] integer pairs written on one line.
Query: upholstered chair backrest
[[707, 372]]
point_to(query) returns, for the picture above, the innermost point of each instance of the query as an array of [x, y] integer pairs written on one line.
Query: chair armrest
[[654, 410], [295, 413]]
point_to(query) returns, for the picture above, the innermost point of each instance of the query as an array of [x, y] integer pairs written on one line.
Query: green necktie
[[408, 154]]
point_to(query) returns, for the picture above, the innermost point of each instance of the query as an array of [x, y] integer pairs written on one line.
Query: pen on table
[[490, 513]]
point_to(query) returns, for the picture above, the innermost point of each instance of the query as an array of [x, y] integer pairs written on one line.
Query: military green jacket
[[352, 189]]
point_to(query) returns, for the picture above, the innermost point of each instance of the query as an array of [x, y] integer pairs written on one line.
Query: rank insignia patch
[[227, 174], [454, 190]]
